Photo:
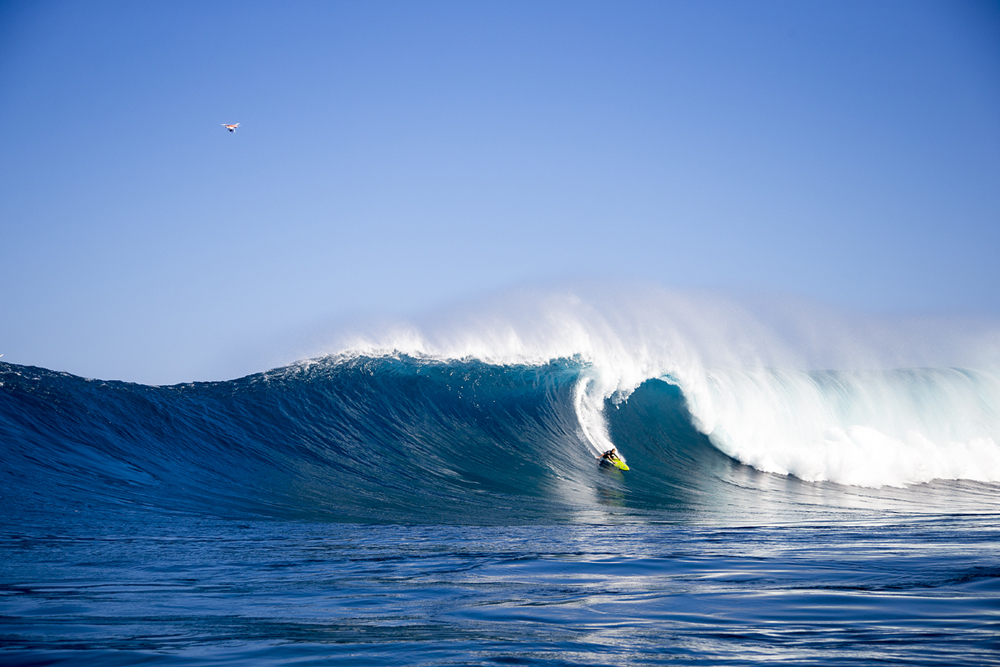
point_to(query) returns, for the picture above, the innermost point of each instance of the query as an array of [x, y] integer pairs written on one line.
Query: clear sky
[[395, 156]]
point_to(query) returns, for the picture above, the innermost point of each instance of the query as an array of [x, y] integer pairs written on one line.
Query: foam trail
[[749, 373], [590, 415]]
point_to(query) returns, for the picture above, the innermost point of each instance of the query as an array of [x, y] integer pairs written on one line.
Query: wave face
[[366, 440], [406, 439]]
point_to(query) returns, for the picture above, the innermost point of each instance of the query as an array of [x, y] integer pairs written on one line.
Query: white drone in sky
[[231, 128]]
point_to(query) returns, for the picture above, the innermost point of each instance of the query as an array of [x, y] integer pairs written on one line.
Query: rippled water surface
[[908, 591]]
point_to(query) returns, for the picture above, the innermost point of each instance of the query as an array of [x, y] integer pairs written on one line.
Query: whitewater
[[807, 486]]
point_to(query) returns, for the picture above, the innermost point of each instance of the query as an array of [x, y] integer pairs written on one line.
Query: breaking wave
[[497, 414]]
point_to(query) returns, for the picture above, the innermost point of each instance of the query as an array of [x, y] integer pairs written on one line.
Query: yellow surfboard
[[613, 458]]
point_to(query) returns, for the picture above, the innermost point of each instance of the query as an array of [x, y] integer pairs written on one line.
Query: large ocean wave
[[498, 415], [782, 385]]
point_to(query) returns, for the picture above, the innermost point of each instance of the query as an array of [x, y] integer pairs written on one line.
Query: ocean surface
[[405, 507]]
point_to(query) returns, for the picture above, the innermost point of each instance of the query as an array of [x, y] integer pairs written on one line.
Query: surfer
[[611, 456], [231, 128]]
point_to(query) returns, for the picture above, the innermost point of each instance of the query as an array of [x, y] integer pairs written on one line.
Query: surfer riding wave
[[611, 456]]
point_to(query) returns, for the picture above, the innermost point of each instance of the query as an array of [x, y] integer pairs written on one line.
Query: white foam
[[744, 366], [864, 428]]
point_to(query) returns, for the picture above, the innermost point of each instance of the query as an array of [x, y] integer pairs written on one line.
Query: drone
[[231, 128]]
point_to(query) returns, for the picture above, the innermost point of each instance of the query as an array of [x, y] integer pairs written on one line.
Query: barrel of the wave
[[611, 457]]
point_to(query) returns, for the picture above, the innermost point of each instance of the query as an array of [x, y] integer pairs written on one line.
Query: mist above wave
[[638, 332]]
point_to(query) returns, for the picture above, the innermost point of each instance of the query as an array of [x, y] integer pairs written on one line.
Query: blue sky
[[393, 157]]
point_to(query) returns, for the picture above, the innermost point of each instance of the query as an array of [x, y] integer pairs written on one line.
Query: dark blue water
[[405, 511]]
